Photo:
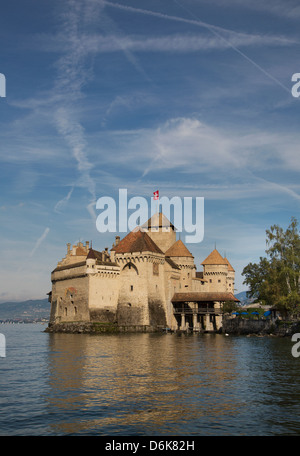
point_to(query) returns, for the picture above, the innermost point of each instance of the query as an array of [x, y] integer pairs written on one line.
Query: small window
[[219, 281], [75, 310], [131, 287], [66, 311], [210, 280]]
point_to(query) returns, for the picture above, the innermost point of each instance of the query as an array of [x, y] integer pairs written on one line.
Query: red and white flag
[[156, 195]]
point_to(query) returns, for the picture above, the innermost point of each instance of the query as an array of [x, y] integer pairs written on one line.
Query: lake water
[[147, 384]]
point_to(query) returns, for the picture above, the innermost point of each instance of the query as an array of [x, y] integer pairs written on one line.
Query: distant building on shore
[[147, 281]]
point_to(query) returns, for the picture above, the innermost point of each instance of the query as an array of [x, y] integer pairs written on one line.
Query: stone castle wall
[[132, 289]]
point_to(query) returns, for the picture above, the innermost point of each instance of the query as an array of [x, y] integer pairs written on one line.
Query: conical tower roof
[[158, 220], [214, 258], [178, 249], [230, 268]]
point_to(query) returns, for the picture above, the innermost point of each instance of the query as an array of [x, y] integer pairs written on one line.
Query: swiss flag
[[156, 195]]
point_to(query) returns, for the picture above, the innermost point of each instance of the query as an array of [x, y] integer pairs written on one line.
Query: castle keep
[[146, 282]]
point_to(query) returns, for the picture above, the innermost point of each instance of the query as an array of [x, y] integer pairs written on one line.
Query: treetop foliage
[[275, 280]]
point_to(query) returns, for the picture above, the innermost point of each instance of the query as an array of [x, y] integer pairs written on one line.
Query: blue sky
[[189, 97]]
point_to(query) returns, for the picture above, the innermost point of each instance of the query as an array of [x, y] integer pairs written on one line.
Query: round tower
[[179, 253], [215, 271]]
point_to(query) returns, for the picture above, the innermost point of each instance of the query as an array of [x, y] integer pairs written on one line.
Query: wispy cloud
[[286, 8], [182, 141], [213, 157]]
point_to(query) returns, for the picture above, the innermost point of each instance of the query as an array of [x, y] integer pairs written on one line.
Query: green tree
[[275, 280], [229, 306]]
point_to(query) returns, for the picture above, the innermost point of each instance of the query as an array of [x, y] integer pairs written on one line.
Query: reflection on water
[[147, 384], [156, 384]]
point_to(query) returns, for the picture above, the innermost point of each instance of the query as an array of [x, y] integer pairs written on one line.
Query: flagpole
[[156, 197]]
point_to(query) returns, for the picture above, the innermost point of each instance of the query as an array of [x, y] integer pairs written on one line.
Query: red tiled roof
[[136, 241], [214, 258], [178, 249], [80, 251], [230, 268]]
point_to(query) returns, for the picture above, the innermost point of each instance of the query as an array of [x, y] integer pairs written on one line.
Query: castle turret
[[230, 277], [215, 270], [179, 253]]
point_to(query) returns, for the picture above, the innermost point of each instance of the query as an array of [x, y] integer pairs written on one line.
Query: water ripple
[[147, 384]]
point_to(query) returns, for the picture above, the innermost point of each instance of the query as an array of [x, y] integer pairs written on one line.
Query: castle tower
[[141, 300], [161, 231], [230, 277], [215, 270], [179, 253]]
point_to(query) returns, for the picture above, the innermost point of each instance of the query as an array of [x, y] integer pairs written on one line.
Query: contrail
[[72, 76], [60, 204], [197, 22], [39, 241]]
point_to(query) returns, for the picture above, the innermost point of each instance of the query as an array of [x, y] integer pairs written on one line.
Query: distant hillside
[[25, 310], [242, 296]]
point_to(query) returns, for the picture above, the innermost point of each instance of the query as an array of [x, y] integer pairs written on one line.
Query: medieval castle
[[146, 282]]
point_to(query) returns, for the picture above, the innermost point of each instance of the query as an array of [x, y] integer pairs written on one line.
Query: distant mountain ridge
[[31, 309], [242, 296]]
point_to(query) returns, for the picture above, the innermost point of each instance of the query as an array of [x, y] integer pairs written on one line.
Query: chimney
[[117, 240], [68, 248], [87, 245]]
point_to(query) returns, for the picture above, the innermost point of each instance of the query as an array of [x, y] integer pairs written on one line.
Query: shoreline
[[230, 326]]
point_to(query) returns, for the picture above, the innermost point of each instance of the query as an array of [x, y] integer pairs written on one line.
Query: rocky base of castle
[[97, 328], [239, 326]]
